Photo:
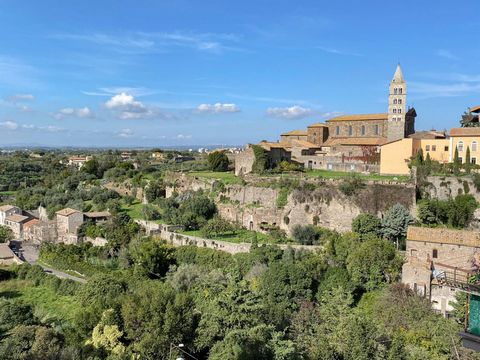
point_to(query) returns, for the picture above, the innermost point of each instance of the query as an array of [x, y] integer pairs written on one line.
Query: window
[[337, 130], [375, 128], [460, 146], [363, 129], [473, 160], [445, 148], [350, 130], [400, 90], [395, 101], [394, 111], [435, 253], [399, 111], [434, 147], [395, 91], [427, 147], [460, 160], [399, 101], [474, 146]]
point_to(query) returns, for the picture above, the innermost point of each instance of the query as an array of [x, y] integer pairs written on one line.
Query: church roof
[[398, 76], [376, 141], [295, 133], [360, 117], [305, 144]]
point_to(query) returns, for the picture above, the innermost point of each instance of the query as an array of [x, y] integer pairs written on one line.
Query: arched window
[[400, 90], [399, 101], [394, 111], [395, 91], [399, 111], [363, 129], [474, 145], [395, 101], [460, 146]]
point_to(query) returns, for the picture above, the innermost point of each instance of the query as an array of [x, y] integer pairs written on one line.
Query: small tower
[[397, 106]]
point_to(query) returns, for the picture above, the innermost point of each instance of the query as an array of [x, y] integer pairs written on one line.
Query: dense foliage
[[456, 213], [218, 161]]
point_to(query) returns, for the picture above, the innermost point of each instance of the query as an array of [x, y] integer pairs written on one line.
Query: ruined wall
[[124, 189], [244, 162], [324, 205], [445, 187]]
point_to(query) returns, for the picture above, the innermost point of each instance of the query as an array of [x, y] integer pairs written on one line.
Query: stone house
[[68, 221], [78, 161], [7, 256], [437, 259], [97, 217], [16, 222], [8, 210]]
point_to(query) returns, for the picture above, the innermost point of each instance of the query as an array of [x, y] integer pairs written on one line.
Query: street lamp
[[180, 347]]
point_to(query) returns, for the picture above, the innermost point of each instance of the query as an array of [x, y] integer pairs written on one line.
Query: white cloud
[[337, 51], [82, 113], [293, 112], [183, 137], [218, 108], [431, 90], [9, 125], [127, 107], [125, 133], [19, 98]]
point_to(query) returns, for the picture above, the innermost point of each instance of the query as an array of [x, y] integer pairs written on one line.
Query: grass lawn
[[135, 211], [240, 236], [329, 174], [227, 178], [43, 299]]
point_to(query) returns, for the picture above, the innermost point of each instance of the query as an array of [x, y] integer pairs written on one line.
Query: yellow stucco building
[[395, 155]]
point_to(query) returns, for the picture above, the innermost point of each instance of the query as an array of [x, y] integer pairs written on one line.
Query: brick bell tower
[[397, 107]]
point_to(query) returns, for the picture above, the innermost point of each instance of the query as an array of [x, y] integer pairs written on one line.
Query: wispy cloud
[[114, 90], [19, 98], [126, 133], [12, 125], [218, 108], [268, 99], [447, 54], [9, 125], [146, 42], [433, 90], [292, 112], [337, 51], [15, 73]]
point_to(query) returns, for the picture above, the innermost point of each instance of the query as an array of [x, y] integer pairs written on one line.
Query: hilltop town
[[401, 224]]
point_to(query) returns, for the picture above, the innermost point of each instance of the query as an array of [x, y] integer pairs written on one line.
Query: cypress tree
[[467, 161]]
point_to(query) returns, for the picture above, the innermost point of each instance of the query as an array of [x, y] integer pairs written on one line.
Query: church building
[[346, 142]]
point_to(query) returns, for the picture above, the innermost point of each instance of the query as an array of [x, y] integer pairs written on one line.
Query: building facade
[[347, 142], [435, 255]]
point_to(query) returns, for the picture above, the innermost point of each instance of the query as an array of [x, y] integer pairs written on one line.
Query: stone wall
[[124, 189], [244, 162], [445, 187]]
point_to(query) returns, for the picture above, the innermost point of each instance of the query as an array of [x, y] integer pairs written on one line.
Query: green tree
[[92, 167], [216, 227], [456, 163], [395, 223], [468, 163], [305, 234], [6, 234], [373, 263], [153, 259], [218, 161], [365, 224], [107, 334]]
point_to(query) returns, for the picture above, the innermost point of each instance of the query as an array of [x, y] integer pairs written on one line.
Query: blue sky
[[181, 72]]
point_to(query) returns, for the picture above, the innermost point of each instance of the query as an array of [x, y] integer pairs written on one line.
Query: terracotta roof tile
[[360, 117], [67, 212], [17, 218], [7, 207], [471, 131], [355, 141], [295, 133], [475, 109], [317, 125]]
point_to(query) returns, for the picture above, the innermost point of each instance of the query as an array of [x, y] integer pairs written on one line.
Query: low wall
[[169, 234]]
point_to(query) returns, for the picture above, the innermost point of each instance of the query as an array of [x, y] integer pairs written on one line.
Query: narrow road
[[29, 253]]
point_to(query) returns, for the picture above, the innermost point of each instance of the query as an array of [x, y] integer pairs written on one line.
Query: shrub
[[365, 224], [216, 227], [218, 161], [261, 162], [351, 184], [305, 234]]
